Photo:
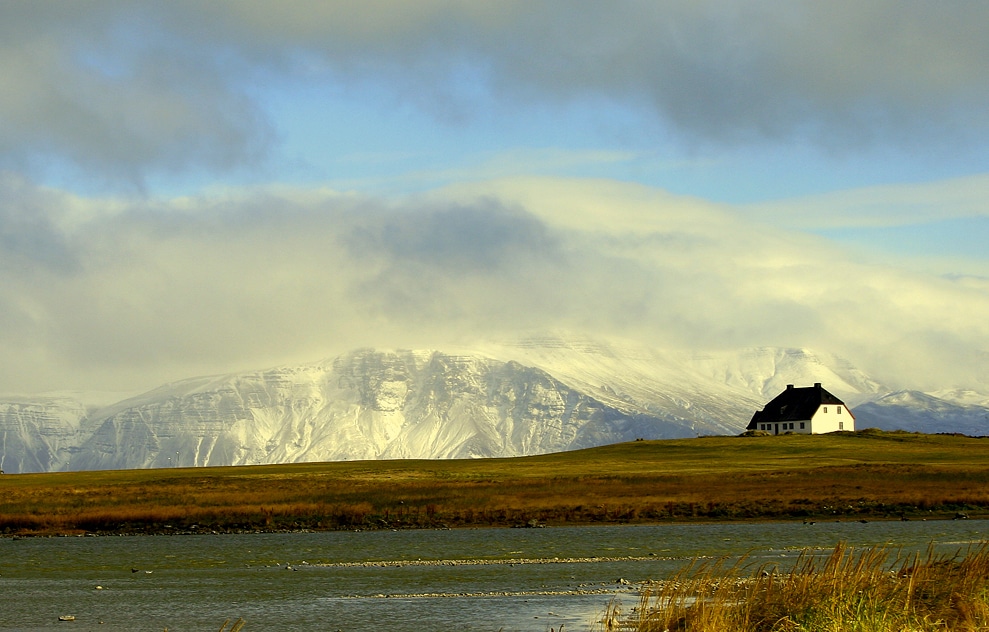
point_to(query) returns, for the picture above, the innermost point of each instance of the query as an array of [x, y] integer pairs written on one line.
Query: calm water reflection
[[511, 579]]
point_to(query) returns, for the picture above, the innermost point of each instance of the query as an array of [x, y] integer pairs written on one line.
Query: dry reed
[[847, 591]]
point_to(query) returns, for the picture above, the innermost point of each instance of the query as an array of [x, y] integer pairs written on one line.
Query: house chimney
[[817, 385], [789, 387]]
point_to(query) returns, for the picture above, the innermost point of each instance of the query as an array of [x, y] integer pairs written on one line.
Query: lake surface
[[401, 581]]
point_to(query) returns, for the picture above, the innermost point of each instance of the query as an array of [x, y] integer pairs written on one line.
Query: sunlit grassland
[[872, 590], [862, 475]]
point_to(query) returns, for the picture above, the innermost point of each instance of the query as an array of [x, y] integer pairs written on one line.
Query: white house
[[805, 410]]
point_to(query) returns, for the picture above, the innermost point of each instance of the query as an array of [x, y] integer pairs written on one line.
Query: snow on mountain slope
[[365, 405], [765, 371], [914, 411], [721, 388], [38, 434], [637, 379], [541, 394]]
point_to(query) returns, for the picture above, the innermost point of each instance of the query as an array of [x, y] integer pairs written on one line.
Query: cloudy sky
[[190, 187]]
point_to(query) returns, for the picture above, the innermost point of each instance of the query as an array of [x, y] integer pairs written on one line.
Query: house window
[[801, 425], [825, 409], [841, 425], [839, 410]]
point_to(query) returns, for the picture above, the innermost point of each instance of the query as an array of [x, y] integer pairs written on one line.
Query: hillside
[[845, 476], [533, 396]]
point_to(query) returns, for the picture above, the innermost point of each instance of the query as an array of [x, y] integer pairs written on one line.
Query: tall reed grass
[[871, 590]]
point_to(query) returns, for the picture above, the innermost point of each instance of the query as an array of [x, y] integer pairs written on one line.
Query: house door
[[777, 429]]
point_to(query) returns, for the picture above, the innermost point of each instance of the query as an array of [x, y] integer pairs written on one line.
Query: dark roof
[[794, 404]]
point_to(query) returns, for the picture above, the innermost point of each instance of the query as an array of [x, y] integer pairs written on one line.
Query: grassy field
[[865, 475]]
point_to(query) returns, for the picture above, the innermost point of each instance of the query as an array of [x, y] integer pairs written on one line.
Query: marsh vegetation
[[865, 475], [870, 590]]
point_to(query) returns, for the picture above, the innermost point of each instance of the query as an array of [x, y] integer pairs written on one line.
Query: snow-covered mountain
[[39, 434], [924, 412], [539, 395], [365, 405]]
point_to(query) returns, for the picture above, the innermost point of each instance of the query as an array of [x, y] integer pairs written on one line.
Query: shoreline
[[206, 531]]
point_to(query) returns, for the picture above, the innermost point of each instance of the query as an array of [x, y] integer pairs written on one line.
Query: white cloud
[[937, 227], [163, 289], [881, 206], [517, 162]]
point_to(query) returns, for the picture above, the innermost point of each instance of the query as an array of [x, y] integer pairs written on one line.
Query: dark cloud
[[460, 266], [457, 239], [30, 238], [107, 90], [120, 90], [717, 70]]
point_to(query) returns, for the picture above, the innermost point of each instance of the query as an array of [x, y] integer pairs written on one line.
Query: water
[[403, 581]]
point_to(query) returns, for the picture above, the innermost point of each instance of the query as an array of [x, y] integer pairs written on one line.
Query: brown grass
[[866, 591], [843, 476]]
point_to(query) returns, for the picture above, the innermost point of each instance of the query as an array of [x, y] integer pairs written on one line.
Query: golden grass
[[236, 626], [862, 475], [847, 591]]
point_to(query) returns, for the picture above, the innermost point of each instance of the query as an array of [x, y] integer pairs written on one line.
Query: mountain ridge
[[535, 395]]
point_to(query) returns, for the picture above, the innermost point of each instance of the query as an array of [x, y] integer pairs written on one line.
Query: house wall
[[832, 418], [783, 427]]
